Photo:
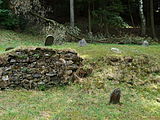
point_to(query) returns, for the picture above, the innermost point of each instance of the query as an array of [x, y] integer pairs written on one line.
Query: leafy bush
[[7, 19]]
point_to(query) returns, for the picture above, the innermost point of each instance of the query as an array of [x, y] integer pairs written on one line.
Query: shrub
[[7, 19]]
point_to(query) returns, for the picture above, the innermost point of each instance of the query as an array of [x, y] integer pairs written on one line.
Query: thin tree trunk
[[130, 13], [143, 20], [72, 13], [148, 18], [152, 20], [107, 29], [89, 18]]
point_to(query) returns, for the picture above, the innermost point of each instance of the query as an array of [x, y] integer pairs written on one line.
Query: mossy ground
[[87, 100]]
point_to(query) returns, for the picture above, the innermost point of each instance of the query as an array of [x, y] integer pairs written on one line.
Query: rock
[[5, 78], [49, 40], [145, 43], [69, 72], [12, 61], [115, 50], [37, 75], [82, 43], [51, 74]]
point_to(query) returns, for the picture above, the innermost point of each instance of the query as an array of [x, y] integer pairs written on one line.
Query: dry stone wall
[[30, 68]]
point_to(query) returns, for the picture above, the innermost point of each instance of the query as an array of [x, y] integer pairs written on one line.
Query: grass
[[85, 101]]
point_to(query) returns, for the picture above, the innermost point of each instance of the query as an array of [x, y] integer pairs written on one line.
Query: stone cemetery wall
[[30, 68]]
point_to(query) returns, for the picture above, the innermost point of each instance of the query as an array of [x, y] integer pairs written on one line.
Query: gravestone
[[115, 96], [145, 43], [82, 43], [49, 40]]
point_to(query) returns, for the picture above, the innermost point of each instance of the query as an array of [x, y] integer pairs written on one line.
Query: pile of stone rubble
[[30, 68]]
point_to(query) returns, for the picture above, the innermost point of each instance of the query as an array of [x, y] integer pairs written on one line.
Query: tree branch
[[55, 24]]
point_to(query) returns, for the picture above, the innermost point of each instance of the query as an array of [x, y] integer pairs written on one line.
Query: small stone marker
[[145, 43], [82, 43], [49, 40], [116, 50], [9, 48], [115, 96]]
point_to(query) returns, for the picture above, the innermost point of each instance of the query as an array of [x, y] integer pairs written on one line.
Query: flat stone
[[37, 75], [12, 61], [115, 50], [51, 74]]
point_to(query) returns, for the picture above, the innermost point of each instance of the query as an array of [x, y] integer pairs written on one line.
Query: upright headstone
[[115, 96], [145, 43], [49, 40], [82, 43]]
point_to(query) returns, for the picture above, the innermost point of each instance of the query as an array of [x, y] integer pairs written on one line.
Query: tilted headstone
[[145, 43], [82, 43], [49, 40]]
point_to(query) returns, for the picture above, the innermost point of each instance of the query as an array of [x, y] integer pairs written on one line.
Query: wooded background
[[108, 17]]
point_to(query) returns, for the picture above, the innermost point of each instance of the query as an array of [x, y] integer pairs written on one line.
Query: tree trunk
[[148, 18], [89, 18], [143, 20], [72, 13], [130, 13], [152, 20]]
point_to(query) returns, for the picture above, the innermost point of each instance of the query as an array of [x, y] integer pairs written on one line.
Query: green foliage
[[42, 87], [7, 18], [109, 14]]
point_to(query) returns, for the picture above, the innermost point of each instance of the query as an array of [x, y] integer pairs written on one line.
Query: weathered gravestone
[[49, 40], [145, 43], [115, 96], [82, 43]]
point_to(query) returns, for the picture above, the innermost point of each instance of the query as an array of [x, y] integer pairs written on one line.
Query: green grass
[[85, 101]]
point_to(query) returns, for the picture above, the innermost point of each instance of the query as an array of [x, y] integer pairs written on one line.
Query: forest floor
[[87, 100]]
